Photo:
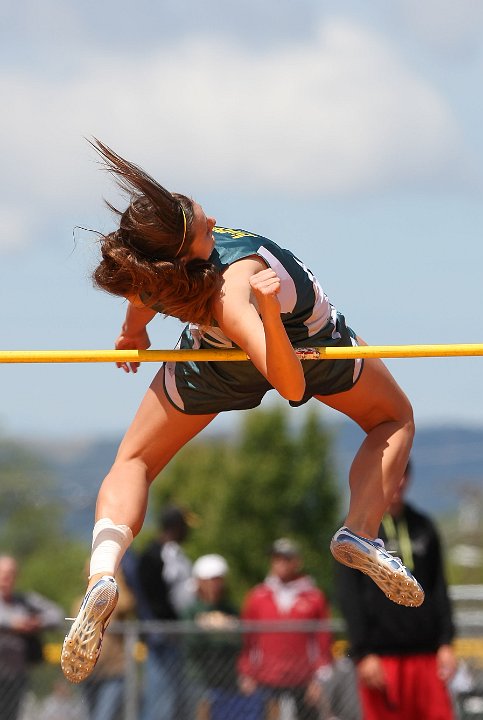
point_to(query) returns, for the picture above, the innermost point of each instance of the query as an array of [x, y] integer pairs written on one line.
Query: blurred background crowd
[[230, 604]]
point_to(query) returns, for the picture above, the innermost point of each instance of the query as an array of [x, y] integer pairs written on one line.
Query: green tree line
[[32, 526], [248, 490]]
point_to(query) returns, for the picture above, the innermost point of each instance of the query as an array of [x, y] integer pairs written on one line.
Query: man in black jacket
[[164, 577], [403, 655]]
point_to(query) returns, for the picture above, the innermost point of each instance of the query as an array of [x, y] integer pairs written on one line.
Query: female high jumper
[[234, 289]]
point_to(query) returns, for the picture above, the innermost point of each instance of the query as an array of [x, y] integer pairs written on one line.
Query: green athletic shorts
[[211, 387]]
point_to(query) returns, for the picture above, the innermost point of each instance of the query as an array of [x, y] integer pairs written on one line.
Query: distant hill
[[448, 465], [447, 460]]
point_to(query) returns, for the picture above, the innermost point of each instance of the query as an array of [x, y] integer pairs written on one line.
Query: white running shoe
[[387, 571], [82, 646]]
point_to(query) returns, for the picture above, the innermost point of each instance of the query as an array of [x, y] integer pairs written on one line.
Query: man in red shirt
[[294, 660]]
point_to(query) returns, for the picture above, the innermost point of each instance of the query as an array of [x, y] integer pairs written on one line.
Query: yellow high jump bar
[[316, 353]]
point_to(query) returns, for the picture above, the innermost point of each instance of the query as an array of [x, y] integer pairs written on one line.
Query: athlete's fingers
[[128, 367], [263, 276], [258, 283], [268, 287]]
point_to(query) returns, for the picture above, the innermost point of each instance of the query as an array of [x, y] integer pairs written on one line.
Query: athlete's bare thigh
[[159, 430], [375, 398]]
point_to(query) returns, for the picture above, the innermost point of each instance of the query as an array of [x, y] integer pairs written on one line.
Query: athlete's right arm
[[260, 332], [133, 334]]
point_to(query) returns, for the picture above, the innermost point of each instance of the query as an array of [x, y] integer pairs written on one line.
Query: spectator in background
[[212, 653], [104, 688], [164, 575], [23, 616], [284, 663], [63, 703], [403, 655]]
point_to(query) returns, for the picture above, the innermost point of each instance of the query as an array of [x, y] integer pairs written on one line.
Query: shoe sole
[[394, 585], [82, 645]]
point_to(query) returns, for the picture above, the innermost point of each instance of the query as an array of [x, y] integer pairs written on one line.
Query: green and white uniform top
[[309, 320], [305, 308]]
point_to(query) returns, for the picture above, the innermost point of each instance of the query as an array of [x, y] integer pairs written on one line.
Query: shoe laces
[[392, 553]]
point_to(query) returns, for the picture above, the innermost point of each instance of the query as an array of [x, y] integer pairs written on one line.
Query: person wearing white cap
[[212, 654], [209, 567], [211, 608]]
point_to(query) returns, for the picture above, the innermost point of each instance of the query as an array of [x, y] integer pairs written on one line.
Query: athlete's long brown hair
[[144, 256]]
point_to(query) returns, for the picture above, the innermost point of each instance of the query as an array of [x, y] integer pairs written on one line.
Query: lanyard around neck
[[398, 532]]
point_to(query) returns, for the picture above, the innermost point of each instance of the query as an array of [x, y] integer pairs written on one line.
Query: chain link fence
[[188, 671]]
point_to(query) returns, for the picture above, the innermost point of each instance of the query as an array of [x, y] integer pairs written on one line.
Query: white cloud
[[15, 229], [454, 28], [340, 115]]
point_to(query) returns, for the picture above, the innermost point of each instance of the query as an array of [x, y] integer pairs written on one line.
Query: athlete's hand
[[125, 341], [371, 672], [266, 286]]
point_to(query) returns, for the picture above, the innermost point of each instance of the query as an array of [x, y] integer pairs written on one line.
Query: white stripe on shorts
[[170, 384]]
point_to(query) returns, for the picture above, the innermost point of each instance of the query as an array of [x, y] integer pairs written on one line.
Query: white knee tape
[[109, 543]]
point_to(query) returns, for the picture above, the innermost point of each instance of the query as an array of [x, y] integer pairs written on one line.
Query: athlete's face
[[202, 231]]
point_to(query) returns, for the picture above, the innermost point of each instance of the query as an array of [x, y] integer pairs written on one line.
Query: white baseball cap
[[210, 566]]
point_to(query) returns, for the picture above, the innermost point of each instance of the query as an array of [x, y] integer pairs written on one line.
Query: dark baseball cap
[[173, 517]]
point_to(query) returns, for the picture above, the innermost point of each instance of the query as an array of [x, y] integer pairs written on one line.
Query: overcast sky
[[350, 132]]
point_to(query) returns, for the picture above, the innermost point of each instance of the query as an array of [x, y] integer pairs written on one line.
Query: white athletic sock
[[109, 543]]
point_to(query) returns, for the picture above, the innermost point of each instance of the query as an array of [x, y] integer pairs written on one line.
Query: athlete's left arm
[[260, 333], [133, 335]]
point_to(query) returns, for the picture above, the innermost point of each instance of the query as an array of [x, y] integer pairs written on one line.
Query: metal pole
[[131, 638]]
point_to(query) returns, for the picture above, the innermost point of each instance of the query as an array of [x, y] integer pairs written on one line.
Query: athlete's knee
[[409, 428], [399, 414], [404, 418]]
